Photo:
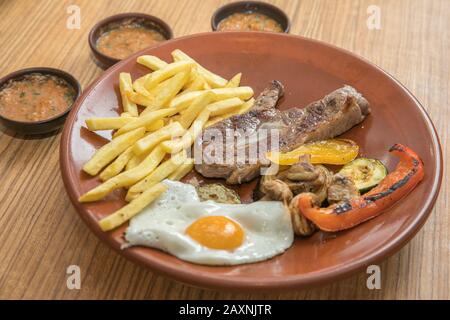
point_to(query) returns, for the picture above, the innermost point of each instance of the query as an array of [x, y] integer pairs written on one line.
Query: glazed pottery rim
[[290, 282], [122, 16], [231, 5], [69, 78]]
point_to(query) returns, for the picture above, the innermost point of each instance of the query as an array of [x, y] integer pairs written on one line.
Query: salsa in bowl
[[37, 100], [119, 36], [250, 16]]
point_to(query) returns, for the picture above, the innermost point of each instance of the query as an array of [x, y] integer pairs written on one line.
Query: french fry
[[224, 106], [142, 96], [145, 120], [111, 150], [125, 85], [193, 75], [235, 81], [149, 101], [167, 72], [151, 62], [114, 123], [148, 142], [182, 101], [115, 167], [135, 160], [196, 82], [138, 86], [182, 170], [133, 208], [158, 124], [168, 92], [126, 178], [156, 90], [175, 146], [215, 120], [160, 87], [173, 119], [126, 115], [159, 174], [140, 99], [213, 80], [197, 105], [246, 106]]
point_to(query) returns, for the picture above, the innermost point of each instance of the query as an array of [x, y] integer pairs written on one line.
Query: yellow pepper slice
[[333, 151]]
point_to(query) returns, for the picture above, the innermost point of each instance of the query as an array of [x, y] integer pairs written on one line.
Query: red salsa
[[125, 40], [249, 21], [35, 97]]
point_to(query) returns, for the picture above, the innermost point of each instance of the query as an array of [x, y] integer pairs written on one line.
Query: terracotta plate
[[309, 70]]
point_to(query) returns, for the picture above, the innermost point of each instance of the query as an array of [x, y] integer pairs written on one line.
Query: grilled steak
[[329, 117]]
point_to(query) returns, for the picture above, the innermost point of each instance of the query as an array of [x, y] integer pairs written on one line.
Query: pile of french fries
[[178, 100]]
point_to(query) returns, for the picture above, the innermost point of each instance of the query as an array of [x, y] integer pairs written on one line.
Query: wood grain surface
[[41, 234]]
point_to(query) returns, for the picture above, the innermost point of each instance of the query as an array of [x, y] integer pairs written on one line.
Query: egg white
[[266, 224]]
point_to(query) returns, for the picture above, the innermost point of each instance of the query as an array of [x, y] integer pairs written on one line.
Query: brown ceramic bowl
[[42, 126], [251, 6], [309, 69], [112, 22]]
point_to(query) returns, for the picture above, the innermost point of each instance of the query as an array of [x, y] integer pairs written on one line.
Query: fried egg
[[211, 233]]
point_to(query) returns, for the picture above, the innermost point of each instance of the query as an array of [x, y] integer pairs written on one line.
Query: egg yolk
[[216, 232]]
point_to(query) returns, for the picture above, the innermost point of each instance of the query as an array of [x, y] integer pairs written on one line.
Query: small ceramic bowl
[[41, 126], [251, 6], [112, 22]]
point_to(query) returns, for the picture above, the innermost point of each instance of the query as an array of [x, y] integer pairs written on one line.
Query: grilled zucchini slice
[[366, 173]]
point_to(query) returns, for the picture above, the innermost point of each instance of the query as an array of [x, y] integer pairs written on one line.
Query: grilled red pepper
[[347, 214]]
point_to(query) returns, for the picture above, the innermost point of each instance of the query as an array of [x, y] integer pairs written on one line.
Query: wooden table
[[41, 234]]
